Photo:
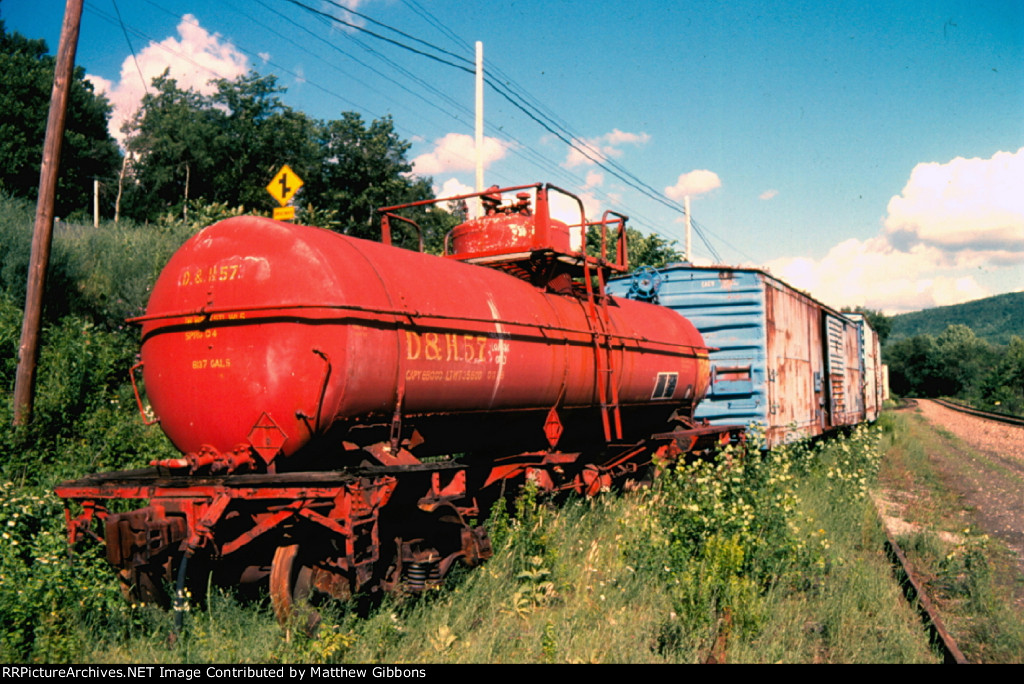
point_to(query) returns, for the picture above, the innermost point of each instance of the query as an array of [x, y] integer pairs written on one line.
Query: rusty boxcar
[[780, 358]]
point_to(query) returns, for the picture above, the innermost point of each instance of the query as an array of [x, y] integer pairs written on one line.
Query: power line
[[131, 48], [520, 100], [499, 82]]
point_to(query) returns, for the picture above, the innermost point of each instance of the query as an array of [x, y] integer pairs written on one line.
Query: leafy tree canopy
[[225, 148], [958, 363], [643, 250], [879, 322], [87, 152]]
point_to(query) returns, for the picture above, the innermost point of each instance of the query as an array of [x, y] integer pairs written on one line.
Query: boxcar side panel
[[727, 307], [871, 367], [796, 361]]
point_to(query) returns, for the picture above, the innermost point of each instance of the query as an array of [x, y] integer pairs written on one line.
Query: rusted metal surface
[[918, 596], [871, 367], [780, 359]]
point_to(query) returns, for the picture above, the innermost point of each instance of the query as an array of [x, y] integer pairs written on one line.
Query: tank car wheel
[[290, 584], [299, 582]]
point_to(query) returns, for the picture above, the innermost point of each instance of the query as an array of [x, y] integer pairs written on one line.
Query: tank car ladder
[[606, 378]]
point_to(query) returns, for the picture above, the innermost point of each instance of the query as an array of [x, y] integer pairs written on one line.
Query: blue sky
[[869, 152]]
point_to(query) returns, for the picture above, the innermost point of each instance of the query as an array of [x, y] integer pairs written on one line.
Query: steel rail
[[914, 591], [987, 415]]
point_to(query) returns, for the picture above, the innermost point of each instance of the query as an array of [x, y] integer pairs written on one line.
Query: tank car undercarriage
[[310, 535]]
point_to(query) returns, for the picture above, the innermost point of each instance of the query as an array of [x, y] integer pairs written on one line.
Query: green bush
[[47, 604]]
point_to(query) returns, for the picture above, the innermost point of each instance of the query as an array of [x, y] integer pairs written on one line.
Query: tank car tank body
[[344, 408]]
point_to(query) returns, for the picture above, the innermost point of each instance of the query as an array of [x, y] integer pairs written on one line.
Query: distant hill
[[994, 319]]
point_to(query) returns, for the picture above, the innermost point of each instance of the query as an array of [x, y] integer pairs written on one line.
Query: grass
[[607, 581]]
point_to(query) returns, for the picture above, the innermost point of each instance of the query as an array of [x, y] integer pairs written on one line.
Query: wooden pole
[[42, 233]]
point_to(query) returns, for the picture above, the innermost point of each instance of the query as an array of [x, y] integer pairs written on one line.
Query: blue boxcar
[[781, 359]]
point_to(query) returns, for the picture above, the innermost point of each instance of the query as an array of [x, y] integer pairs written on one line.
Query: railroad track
[[984, 492], [914, 591], [987, 415]]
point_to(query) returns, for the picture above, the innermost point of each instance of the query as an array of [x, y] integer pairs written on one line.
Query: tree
[[175, 144], [261, 134], [961, 359], [910, 366], [365, 168], [1002, 387], [225, 147], [952, 364], [642, 250], [87, 152], [219, 148]]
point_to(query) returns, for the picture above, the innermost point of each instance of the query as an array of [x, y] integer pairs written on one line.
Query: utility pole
[[689, 230], [42, 232], [479, 123]]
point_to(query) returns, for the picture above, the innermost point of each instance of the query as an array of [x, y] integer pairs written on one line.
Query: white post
[[689, 229], [95, 203], [479, 122]]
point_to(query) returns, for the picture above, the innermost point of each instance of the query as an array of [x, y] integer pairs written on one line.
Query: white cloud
[[694, 183], [768, 195], [344, 16], [592, 150], [194, 58], [950, 222], [964, 206], [567, 210], [457, 152], [874, 274], [452, 187]]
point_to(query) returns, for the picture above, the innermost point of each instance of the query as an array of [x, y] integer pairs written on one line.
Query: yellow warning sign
[[284, 185], [284, 213]]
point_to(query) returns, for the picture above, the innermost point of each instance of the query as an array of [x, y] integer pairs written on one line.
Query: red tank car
[[266, 334], [306, 375]]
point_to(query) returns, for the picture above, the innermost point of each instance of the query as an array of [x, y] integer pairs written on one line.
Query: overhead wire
[[206, 68], [518, 100], [497, 81], [455, 104], [131, 48]]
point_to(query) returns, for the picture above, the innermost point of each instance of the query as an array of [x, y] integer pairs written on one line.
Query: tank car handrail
[[138, 396], [583, 211], [385, 228], [397, 313], [438, 200], [621, 263], [621, 249]]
